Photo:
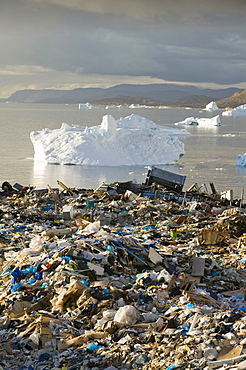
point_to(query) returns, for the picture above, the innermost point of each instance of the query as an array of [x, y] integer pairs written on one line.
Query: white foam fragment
[[241, 160], [238, 111], [204, 122], [132, 140]]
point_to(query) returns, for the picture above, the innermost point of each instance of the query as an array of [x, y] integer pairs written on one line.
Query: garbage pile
[[121, 277]]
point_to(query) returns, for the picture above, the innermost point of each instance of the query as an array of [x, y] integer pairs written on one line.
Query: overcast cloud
[[67, 44]]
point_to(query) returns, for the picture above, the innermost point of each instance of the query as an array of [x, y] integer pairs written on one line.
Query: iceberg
[[241, 160], [132, 140], [191, 121], [211, 107], [87, 106], [114, 107], [137, 106], [238, 111]]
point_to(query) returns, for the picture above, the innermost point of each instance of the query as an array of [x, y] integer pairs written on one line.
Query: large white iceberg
[[211, 107], [132, 140], [191, 121], [238, 111], [241, 160]]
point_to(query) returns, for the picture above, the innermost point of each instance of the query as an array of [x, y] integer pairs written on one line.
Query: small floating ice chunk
[[87, 106], [114, 107], [137, 106], [191, 121], [211, 107], [238, 111], [241, 160], [214, 121]]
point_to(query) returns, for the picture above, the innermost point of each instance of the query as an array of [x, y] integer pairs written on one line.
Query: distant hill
[[198, 101], [128, 100], [193, 101], [152, 94], [239, 98]]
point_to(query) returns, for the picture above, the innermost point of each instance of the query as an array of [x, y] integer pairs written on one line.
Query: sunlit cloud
[[17, 70], [8, 90], [184, 10]]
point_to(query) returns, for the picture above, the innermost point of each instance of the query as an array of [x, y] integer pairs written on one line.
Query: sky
[[68, 44]]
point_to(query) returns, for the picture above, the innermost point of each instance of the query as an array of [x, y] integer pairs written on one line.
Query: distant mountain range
[[152, 94]]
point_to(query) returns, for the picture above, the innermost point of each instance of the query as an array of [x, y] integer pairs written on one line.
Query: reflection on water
[[201, 130], [89, 176], [241, 171], [223, 176], [82, 176]]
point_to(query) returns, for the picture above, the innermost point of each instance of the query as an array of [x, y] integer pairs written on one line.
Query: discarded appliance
[[227, 194], [171, 181]]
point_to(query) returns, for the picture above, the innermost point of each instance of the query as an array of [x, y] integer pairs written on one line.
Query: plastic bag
[[126, 316]]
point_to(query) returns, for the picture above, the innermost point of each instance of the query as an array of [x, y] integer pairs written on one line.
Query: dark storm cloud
[[178, 40]]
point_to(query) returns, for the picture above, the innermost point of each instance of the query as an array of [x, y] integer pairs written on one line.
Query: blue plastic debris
[[48, 208], [106, 293], [39, 275], [29, 270], [110, 248], [16, 274], [190, 305], [32, 281], [93, 347], [44, 357], [147, 228], [67, 258], [85, 282], [16, 287], [243, 309]]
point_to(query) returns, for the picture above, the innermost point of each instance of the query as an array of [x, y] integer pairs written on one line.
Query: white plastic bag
[[126, 316]]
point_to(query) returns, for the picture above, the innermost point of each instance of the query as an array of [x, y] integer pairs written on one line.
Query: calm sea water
[[210, 156]]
